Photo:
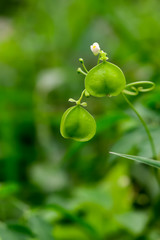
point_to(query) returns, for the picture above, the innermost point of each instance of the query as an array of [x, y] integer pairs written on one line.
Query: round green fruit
[[105, 79], [78, 124]]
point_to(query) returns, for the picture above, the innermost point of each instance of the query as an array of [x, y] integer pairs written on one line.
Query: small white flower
[[95, 48]]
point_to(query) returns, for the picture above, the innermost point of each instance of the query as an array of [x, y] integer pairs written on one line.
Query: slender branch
[[79, 70], [98, 59], [84, 67], [145, 126], [79, 100], [82, 62]]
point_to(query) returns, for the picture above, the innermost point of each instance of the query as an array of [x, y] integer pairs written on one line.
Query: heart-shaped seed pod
[[78, 124], [105, 79]]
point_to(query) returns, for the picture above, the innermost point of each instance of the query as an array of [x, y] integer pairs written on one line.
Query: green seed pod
[[78, 124], [105, 79]]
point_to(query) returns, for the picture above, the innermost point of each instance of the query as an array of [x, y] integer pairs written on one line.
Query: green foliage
[[147, 161]]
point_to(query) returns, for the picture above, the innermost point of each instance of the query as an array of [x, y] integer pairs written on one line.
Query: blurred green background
[[57, 189]]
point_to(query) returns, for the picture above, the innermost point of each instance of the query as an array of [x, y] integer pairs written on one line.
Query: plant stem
[[79, 100], [98, 59], [145, 126], [79, 70], [84, 67]]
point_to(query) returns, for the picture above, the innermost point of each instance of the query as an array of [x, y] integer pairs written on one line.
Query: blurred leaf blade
[[82, 223], [150, 162], [134, 221], [41, 228], [7, 233]]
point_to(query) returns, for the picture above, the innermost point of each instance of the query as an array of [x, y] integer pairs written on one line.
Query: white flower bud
[[95, 48]]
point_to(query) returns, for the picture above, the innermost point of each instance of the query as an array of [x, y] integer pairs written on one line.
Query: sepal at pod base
[[78, 124], [105, 79]]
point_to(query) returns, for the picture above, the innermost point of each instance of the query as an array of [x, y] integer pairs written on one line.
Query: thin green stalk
[[98, 59], [79, 70], [79, 100], [145, 126], [84, 67]]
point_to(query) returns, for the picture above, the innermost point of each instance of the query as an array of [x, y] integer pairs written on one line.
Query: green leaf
[[82, 223], [7, 233], [41, 228], [133, 221], [21, 229], [150, 162]]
